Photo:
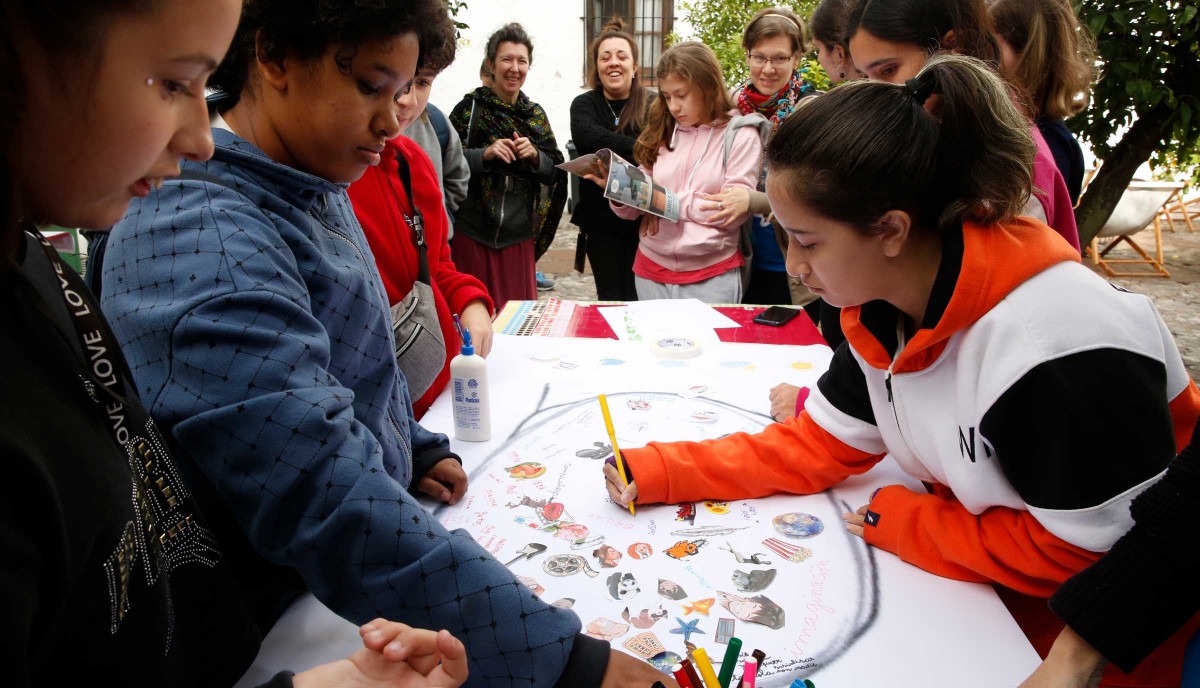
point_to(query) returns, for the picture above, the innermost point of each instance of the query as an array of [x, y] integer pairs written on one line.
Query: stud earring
[[841, 75], [149, 82]]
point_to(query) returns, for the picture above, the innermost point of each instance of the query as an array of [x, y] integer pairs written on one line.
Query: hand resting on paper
[[1071, 663], [620, 493], [394, 656], [445, 482], [783, 401], [856, 521]]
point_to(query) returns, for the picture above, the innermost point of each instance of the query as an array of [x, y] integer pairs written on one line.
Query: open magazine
[[625, 183]]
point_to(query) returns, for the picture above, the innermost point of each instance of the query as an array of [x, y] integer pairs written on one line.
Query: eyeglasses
[[776, 62]]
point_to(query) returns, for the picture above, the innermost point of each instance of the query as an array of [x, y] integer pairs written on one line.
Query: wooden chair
[[1140, 206], [1182, 208]]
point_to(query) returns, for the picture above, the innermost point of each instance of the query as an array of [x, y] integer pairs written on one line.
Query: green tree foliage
[[1146, 96], [455, 7], [719, 24]]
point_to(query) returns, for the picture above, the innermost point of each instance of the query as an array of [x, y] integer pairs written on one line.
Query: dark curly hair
[[271, 30]]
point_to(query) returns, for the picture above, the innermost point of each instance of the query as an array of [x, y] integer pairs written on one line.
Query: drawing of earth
[[798, 524]]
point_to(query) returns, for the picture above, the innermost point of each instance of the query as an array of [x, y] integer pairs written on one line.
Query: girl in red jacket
[[381, 204]]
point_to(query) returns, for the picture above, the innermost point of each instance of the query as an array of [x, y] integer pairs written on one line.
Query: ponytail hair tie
[[919, 88]]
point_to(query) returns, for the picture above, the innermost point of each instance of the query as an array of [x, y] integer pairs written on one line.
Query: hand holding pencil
[[627, 492], [621, 493]]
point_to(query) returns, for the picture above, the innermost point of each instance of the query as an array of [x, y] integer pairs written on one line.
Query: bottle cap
[[467, 348]]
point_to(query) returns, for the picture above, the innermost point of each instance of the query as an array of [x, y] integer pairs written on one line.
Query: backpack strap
[[441, 126], [753, 120]]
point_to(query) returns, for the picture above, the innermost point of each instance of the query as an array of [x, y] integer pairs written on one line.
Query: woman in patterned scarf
[[516, 195], [774, 42]]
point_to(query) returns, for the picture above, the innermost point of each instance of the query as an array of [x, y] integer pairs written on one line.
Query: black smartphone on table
[[776, 316]]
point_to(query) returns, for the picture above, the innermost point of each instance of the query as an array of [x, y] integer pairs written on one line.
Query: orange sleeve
[[1001, 545], [797, 456]]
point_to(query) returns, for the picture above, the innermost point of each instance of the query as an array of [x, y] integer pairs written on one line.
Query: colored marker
[[461, 330], [759, 656], [681, 676], [691, 673], [700, 656], [729, 661], [612, 437], [750, 673], [802, 683]]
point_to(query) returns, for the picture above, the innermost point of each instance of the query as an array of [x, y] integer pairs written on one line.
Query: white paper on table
[[934, 632], [646, 320]]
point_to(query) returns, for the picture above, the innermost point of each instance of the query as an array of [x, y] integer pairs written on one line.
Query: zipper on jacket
[[503, 198], [405, 448]]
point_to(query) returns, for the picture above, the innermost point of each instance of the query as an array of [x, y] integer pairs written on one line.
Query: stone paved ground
[[1177, 298]]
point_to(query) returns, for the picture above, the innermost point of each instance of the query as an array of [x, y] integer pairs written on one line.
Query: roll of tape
[[675, 348]]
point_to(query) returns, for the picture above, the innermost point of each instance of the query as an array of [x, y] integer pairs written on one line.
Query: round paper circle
[[797, 524]]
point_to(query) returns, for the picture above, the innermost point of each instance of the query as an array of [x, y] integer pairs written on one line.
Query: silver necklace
[[616, 117]]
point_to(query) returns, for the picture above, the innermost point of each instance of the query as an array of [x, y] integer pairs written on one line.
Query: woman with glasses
[[774, 42]]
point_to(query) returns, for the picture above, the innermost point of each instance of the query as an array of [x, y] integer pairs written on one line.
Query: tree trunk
[[1146, 135]]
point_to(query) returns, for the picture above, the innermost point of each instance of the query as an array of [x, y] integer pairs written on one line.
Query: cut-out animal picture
[[645, 619], [718, 508], [759, 559], [698, 606], [622, 585], [606, 629], [758, 609], [753, 581], [563, 603], [608, 556], [598, 450], [671, 590], [638, 405], [526, 471], [685, 548], [687, 628]]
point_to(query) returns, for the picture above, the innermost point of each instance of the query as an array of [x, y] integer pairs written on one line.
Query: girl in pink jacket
[[695, 143]]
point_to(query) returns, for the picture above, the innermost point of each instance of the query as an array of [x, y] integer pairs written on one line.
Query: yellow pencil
[[612, 437]]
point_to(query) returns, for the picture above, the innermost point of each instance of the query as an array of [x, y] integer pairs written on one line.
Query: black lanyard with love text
[[108, 371]]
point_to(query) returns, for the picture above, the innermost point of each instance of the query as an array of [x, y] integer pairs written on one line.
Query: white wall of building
[[556, 77]]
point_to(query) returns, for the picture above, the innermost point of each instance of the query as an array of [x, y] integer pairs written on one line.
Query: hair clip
[[919, 88]]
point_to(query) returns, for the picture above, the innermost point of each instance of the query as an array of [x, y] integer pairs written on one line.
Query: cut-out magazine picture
[[673, 577]]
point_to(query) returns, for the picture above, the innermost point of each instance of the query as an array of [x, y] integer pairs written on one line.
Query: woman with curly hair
[[254, 319], [507, 219]]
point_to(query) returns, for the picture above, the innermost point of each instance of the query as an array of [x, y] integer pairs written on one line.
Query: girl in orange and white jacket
[[695, 143], [1033, 397]]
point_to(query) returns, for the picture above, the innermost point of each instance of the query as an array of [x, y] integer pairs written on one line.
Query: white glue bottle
[[469, 385]]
